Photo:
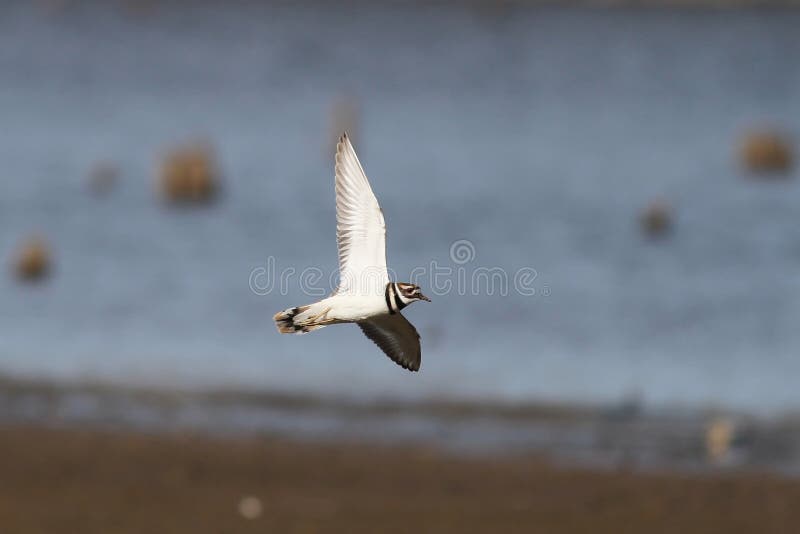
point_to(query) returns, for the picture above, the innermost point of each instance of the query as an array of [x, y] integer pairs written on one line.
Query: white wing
[[396, 337], [360, 230]]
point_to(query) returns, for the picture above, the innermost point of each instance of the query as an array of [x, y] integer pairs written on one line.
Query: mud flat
[[93, 481]]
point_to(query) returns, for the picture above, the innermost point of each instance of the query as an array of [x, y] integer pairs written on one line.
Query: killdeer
[[365, 295]]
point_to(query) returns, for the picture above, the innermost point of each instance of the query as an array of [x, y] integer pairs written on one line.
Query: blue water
[[536, 135]]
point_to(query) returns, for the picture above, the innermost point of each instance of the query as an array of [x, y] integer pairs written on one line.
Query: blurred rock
[[344, 117], [33, 260], [103, 177], [656, 219], [766, 152], [189, 175]]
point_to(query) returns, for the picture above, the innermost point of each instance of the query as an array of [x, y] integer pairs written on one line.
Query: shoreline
[[92, 481], [625, 435]]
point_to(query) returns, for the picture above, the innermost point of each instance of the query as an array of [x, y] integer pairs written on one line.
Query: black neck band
[[388, 298], [398, 302]]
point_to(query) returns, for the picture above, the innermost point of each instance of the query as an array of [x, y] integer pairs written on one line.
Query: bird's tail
[[301, 319]]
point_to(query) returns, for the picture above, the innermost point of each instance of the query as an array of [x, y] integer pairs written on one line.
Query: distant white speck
[[250, 507]]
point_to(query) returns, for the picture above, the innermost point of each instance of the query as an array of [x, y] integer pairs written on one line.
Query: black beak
[[423, 297]]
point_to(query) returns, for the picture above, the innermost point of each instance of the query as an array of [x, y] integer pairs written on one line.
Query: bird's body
[[335, 309], [365, 294]]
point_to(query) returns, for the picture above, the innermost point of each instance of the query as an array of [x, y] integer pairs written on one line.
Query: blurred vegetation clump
[[766, 152], [189, 175], [656, 219], [33, 259]]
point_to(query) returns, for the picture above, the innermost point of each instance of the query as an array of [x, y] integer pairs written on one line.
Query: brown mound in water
[[766, 152], [189, 175], [656, 219], [33, 260]]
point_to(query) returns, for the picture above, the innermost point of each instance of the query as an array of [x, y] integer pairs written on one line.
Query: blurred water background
[[537, 135]]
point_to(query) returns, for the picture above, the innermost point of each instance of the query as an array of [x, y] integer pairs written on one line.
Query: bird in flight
[[365, 295]]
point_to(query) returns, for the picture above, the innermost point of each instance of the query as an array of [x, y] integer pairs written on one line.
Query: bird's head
[[409, 293]]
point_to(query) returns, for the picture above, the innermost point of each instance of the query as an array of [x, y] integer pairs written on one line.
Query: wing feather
[[396, 337], [360, 228]]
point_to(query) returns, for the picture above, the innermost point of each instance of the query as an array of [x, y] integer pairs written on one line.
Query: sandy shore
[[89, 481]]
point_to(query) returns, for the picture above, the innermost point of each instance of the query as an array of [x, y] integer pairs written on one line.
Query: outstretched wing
[[360, 229], [396, 337]]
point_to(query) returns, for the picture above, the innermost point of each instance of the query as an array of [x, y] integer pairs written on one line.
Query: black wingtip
[[343, 140], [409, 366]]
